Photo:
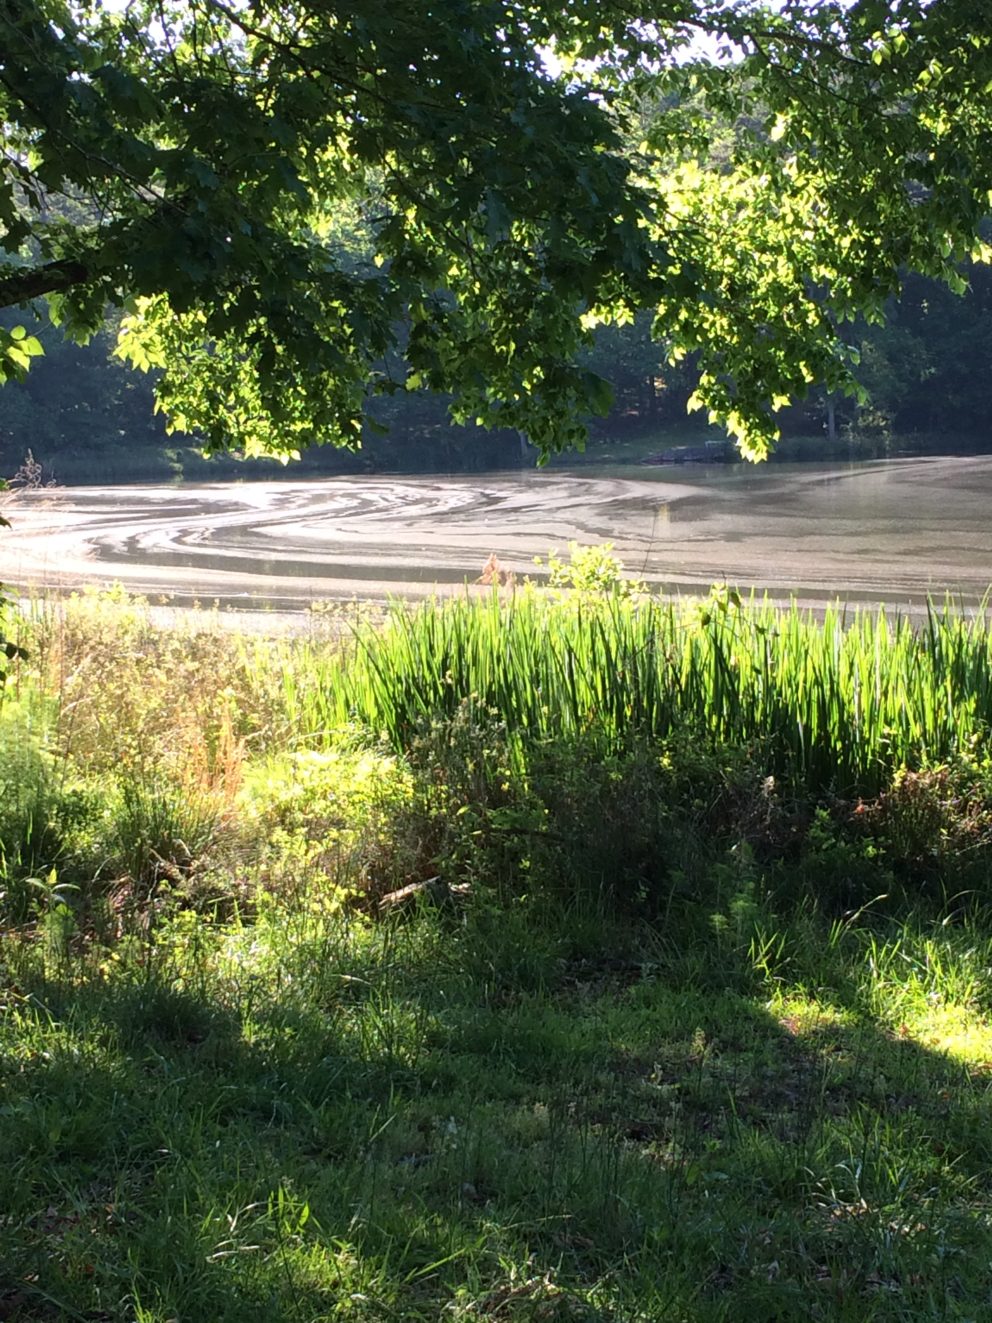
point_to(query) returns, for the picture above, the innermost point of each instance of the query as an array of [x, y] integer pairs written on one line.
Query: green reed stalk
[[840, 702]]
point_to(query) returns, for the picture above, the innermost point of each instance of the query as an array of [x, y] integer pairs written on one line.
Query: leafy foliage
[[17, 349], [194, 164], [592, 569]]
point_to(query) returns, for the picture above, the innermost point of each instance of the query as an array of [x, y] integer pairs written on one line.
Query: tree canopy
[[298, 204]]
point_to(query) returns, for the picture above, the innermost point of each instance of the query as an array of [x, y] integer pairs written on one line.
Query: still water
[[894, 531]]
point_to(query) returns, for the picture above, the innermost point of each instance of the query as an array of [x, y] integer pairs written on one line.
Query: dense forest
[[87, 417]]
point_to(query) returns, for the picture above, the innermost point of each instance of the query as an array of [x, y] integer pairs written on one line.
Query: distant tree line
[[928, 372]]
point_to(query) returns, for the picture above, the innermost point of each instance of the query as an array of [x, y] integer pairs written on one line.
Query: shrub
[[343, 820]]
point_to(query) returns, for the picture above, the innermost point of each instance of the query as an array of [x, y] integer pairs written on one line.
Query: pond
[[893, 530]]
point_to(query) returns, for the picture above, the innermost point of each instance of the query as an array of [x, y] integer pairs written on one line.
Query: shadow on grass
[[432, 1128]]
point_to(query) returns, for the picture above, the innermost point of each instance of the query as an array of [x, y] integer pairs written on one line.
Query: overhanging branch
[[23, 284]]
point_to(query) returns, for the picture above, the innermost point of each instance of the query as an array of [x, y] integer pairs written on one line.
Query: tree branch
[[23, 284]]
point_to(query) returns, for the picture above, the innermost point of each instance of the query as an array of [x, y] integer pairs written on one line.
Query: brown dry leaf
[[493, 573]]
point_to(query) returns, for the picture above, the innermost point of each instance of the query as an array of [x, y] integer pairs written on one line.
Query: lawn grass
[[668, 1035], [540, 1116]]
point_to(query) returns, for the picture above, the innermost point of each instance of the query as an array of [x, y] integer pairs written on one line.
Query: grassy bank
[[521, 959]]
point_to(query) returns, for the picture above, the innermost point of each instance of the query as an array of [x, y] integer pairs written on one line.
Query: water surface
[[894, 531]]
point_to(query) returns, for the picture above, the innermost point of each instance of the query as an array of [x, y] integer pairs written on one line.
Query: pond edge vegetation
[[542, 954]]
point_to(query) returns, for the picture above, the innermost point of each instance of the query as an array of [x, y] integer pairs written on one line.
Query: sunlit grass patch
[[317, 1104]]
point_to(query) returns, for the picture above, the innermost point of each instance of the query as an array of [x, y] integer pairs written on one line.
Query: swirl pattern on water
[[892, 530]]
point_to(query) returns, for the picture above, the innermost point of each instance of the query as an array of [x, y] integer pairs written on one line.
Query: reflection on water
[[892, 530]]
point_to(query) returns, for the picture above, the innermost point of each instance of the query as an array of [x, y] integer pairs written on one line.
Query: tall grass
[[836, 703], [589, 741]]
